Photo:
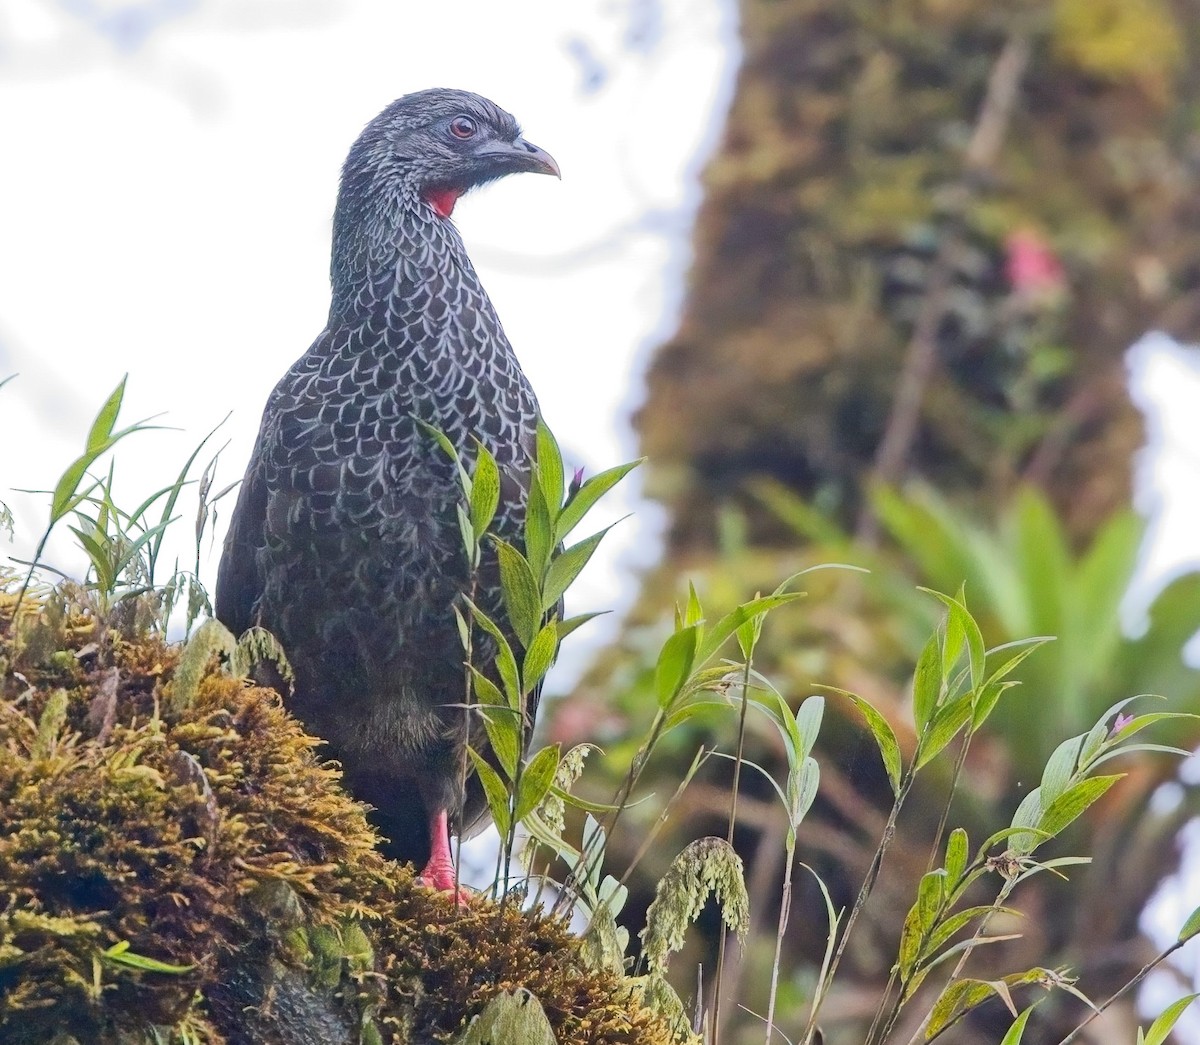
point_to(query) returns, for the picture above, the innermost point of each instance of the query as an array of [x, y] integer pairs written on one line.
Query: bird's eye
[[462, 127]]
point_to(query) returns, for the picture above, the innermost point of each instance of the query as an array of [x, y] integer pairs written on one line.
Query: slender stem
[[570, 890], [733, 801], [785, 910], [887, 993], [864, 893], [510, 840], [701, 757], [463, 759], [1142, 973]]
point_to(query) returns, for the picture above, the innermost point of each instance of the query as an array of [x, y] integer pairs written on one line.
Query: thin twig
[[1145, 970], [860, 902], [733, 800]]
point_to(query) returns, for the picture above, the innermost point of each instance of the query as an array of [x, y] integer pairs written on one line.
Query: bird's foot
[[439, 873], [440, 876]]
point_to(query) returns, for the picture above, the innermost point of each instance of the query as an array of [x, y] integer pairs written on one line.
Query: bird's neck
[[386, 246]]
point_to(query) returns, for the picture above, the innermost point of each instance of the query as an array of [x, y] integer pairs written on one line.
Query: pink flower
[[576, 483], [1119, 723], [1032, 267]]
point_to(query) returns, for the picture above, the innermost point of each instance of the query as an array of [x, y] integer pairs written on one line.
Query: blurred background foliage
[[930, 233]]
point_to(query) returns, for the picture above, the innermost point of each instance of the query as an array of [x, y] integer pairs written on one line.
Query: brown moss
[[217, 843]]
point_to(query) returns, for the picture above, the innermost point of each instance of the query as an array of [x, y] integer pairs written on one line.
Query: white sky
[[165, 204]]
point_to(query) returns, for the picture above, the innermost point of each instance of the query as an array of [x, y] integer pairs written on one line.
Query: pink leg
[[439, 872]]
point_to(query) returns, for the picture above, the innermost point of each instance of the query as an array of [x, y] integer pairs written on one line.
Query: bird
[[344, 542]]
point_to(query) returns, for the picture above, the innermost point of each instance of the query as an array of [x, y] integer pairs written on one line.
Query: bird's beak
[[520, 155]]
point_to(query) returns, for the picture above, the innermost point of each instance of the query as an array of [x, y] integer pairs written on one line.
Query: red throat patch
[[442, 200]]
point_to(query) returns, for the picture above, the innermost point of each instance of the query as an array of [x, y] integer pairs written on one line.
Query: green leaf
[[927, 682], [448, 448], [539, 537], [1162, 1027], [694, 613], [589, 493], [566, 566], [509, 1018], [975, 647], [466, 536], [504, 736], [565, 627], [494, 789], [1017, 1030], [945, 726], [987, 699], [539, 656], [691, 709], [536, 780], [549, 468], [747, 611], [485, 491], [1028, 814], [957, 847], [920, 920], [1060, 769], [120, 954], [955, 636], [102, 427], [486, 691], [506, 663], [959, 997], [674, 665], [1026, 647], [1191, 927], [802, 790], [1072, 802], [521, 599], [959, 920], [884, 737], [808, 722]]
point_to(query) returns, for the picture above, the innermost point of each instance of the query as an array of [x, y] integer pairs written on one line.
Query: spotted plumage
[[345, 542]]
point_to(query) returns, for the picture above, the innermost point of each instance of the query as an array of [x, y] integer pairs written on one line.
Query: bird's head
[[436, 145]]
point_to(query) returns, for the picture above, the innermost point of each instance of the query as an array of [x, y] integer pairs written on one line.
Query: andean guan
[[345, 543]]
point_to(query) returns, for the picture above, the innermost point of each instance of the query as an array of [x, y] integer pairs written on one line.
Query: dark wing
[[239, 583]]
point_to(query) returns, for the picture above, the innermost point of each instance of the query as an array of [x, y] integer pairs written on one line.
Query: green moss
[[199, 872]]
